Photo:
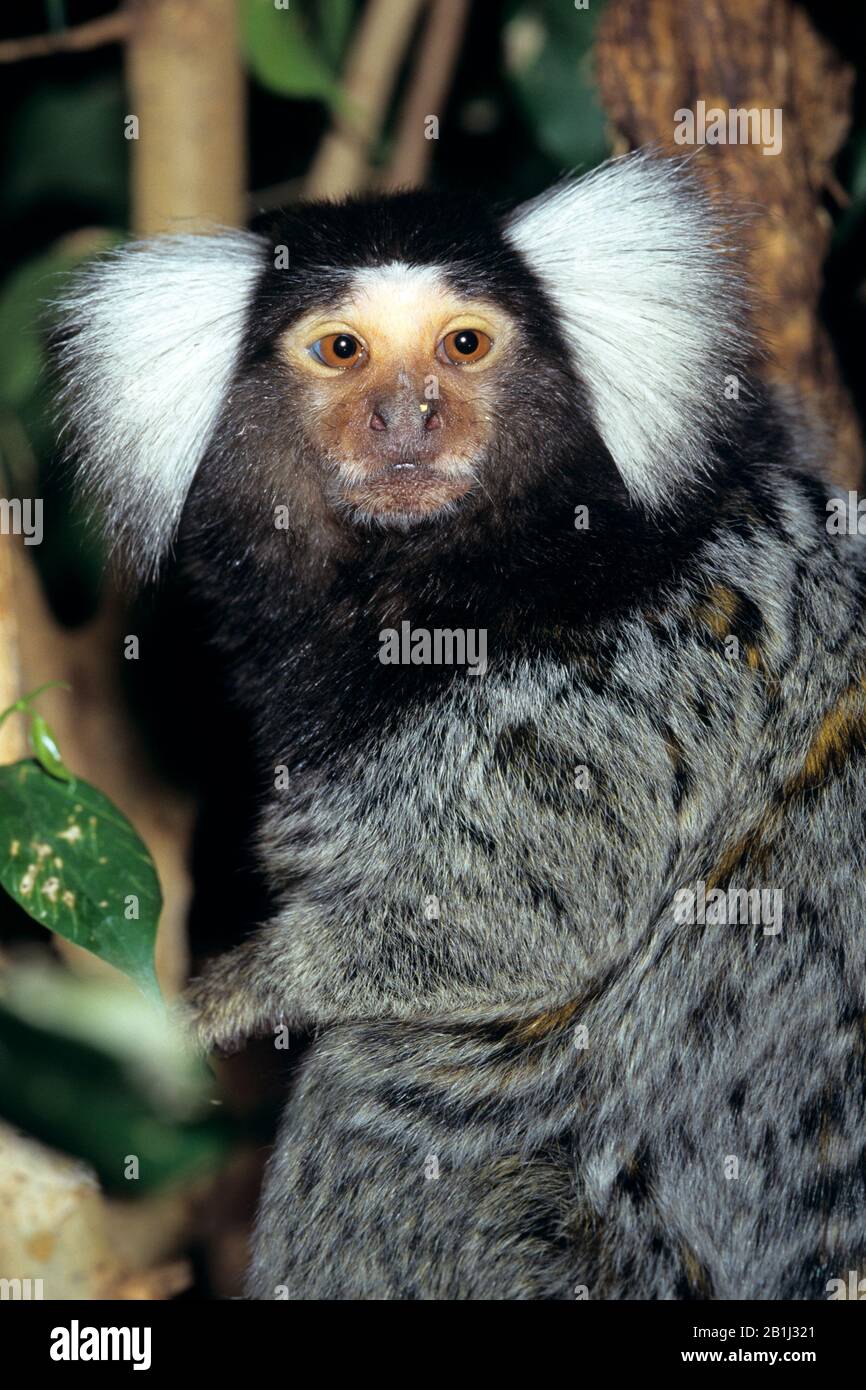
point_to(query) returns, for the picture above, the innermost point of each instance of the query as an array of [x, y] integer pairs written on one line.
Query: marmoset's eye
[[465, 345], [338, 350]]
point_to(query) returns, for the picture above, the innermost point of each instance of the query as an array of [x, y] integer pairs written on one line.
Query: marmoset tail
[[553, 653]]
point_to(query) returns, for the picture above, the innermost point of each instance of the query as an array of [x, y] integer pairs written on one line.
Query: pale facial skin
[[399, 380]]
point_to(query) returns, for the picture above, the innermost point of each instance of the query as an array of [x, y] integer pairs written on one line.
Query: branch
[[427, 92], [343, 159], [111, 28]]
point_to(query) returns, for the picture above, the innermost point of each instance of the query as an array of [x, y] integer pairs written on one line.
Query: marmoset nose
[[409, 415]]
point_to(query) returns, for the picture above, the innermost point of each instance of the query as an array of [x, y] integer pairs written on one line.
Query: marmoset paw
[[216, 1019]]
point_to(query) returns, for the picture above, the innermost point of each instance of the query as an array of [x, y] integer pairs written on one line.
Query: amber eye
[[338, 350], [465, 345]]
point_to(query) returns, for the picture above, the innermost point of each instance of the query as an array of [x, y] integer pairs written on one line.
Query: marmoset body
[[578, 929]]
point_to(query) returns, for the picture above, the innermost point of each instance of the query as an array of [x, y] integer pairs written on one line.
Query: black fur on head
[[196, 412], [544, 456]]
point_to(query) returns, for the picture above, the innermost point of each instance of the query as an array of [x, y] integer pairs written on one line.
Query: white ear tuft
[[633, 259], [148, 340]]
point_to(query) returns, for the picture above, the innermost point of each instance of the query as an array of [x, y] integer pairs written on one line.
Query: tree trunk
[[657, 57]]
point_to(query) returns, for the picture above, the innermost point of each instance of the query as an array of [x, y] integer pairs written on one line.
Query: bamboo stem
[[187, 89], [342, 163], [427, 92]]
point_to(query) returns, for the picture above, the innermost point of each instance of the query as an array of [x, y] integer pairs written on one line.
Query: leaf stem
[[21, 706]]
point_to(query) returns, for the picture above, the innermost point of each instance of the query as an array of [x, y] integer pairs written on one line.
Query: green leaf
[[66, 142], [283, 54], [548, 60], [28, 410], [21, 355], [45, 749], [335, 24], [22, 705], [23, 298], [75, 864], [97, 1072]]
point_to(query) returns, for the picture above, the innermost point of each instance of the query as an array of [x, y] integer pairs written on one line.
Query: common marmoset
[[578, 926]]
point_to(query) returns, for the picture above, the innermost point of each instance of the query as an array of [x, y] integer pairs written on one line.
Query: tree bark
[[657, 57], [342, 162]]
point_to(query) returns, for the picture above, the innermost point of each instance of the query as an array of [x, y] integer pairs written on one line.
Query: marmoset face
[[399, 383], [411, 363]]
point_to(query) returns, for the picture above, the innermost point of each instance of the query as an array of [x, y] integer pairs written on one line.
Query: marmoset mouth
[[406, 489]]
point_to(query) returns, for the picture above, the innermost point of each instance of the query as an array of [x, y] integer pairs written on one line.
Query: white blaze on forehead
[[396, 300]]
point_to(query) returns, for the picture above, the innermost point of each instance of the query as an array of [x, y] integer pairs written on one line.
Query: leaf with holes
[[75, 864]]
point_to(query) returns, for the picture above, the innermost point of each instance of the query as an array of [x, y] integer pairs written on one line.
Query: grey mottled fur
[[601, 1165]]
